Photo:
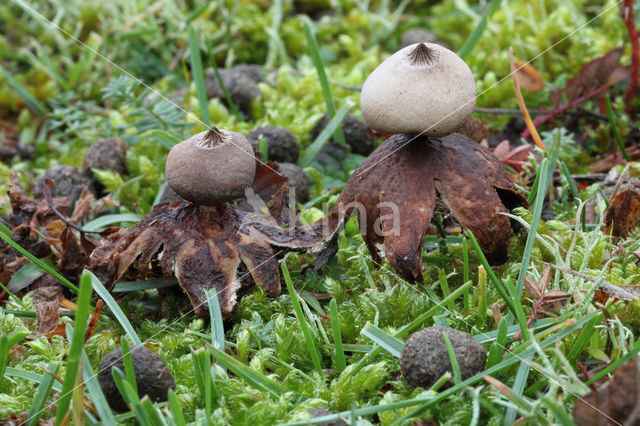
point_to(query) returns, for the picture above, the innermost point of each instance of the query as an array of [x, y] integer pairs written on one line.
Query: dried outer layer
[[203, 248], [394, 193], [401, 179]]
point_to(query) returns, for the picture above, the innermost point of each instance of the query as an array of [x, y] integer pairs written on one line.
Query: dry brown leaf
[[623, 213], [627, 293], [616, 403], [46, 302], [536, 289], [476, 129], [555, 299], [83, 205], [93, 322], [38, 229], [528, 78], [555, 97]]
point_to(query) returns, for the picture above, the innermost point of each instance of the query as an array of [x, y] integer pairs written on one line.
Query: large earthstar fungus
[[422, 94], [203, 239]]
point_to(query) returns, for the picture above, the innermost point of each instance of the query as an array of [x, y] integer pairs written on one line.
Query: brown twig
[[587, 375], [540, 120], [531, 127], [48, 183], [579, 112]]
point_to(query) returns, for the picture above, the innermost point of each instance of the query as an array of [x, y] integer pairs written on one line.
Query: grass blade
[[198, 77], [41, 264], [4, 229], [215, 316], [614, 129], [547, 168], [497, 348], [455, 367], [129, 371], [126, 286], [201, 361], [322, 76], [232, 106], [30, 375], [176, 411], [4, 356], [384, 340], [572, 183], [337, 335], [583, 338], [26, 275], [311, 345], [444, 286], [481, 318], [517, 311], [113, 305], [252, 377], [130, 397], [95, 392], [41, 394], [518, 387], [477, 32], [111, 219], [315, 148], [77, 342], [465, 271], [32, 103]]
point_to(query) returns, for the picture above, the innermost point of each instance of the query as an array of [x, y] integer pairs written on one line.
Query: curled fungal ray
[[394, 193]]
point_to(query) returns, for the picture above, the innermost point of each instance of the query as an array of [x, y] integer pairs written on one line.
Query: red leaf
[[593, 75]]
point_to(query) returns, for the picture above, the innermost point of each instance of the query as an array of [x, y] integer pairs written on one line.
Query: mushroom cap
[[211, 167], [423, 88]]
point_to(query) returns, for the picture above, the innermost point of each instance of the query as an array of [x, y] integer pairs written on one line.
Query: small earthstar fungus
[[425, 357], [422, 93], [153, 378], [201, 239]]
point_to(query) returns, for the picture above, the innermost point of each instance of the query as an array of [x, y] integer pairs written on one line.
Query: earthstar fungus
[[211, 167], [423, 93], [201, 240]]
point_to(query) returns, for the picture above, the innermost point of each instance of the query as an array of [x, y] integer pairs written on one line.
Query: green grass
[[75, 351], [332, 339]]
